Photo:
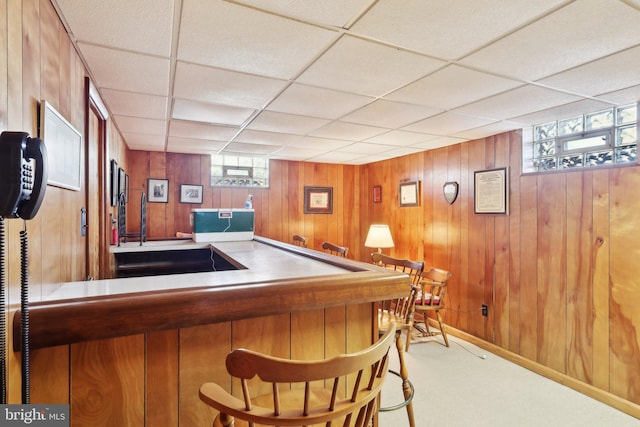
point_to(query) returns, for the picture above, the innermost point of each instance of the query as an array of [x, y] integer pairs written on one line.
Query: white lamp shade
[[379, 236]]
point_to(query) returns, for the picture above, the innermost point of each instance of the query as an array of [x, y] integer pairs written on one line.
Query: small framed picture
[[408, 193], [377, 193], [122, 185], [318, 200], [190, 193], [114, 182], [158, 190]]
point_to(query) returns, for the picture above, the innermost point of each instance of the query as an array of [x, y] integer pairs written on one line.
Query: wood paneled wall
[[38, 62], [557, 273]]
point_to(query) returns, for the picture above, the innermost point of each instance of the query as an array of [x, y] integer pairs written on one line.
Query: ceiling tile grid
[[349, 82]]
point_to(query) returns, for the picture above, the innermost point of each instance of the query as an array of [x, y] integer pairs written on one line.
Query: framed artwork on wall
[[377, 193], [114, 182], [157, 190], [318, 200], [408, 193], [491, 191], [191, 193]]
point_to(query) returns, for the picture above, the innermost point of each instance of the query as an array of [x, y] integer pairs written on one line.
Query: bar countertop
[[278, 278]]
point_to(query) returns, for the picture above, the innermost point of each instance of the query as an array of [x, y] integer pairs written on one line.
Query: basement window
[[600, 138], [239, 171]]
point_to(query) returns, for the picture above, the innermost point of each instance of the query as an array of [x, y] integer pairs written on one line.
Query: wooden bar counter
[[134, 351]]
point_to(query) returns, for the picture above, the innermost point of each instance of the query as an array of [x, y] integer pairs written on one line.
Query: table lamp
[[379, 236]]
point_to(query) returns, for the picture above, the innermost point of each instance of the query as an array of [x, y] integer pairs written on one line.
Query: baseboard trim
[[605, 397]]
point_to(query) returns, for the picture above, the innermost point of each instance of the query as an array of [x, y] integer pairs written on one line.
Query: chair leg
[[404, 374], [444, 333]]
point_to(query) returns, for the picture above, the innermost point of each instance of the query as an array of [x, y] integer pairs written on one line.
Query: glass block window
[[239, 171], [600, 138]]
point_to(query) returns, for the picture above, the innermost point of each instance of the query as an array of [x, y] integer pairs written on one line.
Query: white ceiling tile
[[336, 157], [286, 123], [317, 102], [139, 125], [390, 114], [564, 111], [577, 33], [296, 153], [235, 37], [210, 113], [192, 130], [180, 144], [135, 104], [348, 131], [135, 140], [118, 23], [127, 71], [366, 148], [266, 138], [241, 147], [322, 144], [447, 29], [447, 123], [618, 71], [359, 66], [517, 102], [490, 130], [452, 87], [225, 87], [400, 138], [442, 141], [624, 96], [336, 13]]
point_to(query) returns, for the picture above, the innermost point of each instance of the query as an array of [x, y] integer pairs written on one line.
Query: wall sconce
[[379, 236]]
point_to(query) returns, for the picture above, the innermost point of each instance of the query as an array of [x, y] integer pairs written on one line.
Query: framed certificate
[[408, 193], [318, 200], [491, 191]]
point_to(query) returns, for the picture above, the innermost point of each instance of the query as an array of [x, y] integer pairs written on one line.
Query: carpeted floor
[[455, 386]]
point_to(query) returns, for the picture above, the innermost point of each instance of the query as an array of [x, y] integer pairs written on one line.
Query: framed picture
[[318, 200], [408, 193], [158, 190], [114, 182], [64, 148], [122, 184], [190, 193], [491, 191], [377, 193]]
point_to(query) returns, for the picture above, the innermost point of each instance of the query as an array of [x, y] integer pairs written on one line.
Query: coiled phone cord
[[3, 319], [24, 309]]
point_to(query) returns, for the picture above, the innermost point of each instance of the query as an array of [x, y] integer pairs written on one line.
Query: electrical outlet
[[485, 310]]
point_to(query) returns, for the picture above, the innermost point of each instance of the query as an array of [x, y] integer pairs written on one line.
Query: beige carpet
[[455, 386]]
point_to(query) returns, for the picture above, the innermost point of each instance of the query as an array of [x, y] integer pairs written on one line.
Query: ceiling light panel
[[235, 37]]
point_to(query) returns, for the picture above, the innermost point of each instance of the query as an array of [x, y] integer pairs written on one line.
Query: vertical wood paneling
[[202, 353], [579, 276], [601, 292], [162, 379], [502, 255], [528, 319], [107, 382], [552, 286], [515, 241], [624, 300]]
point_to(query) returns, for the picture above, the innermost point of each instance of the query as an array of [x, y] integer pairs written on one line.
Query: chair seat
[[428, 301]]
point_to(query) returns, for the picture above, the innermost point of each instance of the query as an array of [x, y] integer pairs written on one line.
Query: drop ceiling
[[349, 81]]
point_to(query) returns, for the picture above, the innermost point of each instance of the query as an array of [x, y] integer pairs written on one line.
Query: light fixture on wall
[[379, 236]]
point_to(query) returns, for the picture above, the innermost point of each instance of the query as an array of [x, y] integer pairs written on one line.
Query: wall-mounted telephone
[[23, 174]]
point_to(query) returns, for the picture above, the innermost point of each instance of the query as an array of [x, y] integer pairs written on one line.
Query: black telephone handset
[[23, 174]]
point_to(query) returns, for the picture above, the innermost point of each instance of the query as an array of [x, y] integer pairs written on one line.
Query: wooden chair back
[[344, 387], [434, 288], [330, 248], [298, 240]]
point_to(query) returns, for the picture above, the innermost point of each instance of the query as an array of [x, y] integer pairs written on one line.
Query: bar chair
[[330, 248], [399, 313], [298, 240], [342, 390], [433, 285]]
